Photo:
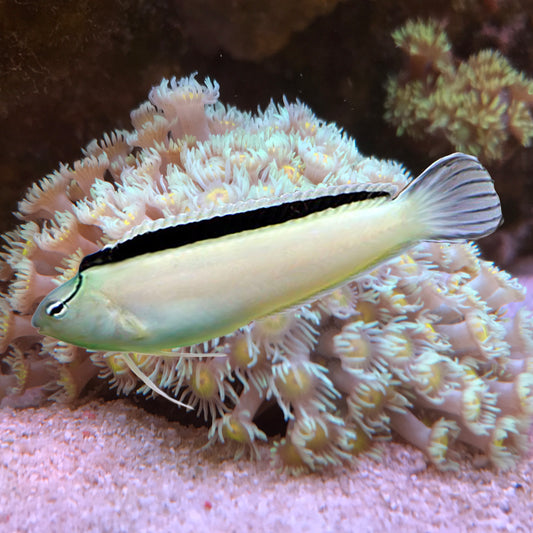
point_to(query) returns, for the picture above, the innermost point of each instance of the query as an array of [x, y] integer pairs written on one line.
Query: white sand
[[113, 467]]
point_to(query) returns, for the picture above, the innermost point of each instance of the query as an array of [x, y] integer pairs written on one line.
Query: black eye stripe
[[76, 289], [58, 307], [55, 309]]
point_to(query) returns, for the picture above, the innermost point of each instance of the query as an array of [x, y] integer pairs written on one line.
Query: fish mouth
[[35, 319], [36, 325]]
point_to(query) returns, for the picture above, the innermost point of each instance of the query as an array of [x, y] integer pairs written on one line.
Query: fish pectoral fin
[[130, 326], [126, 324]]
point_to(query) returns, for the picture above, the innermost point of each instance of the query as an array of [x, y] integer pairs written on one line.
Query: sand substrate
[[113, 467]]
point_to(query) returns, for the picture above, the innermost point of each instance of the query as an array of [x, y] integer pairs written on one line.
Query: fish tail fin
[[455, 199]]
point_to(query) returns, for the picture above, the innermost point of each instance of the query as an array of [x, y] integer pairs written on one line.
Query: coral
[[482, 106], [421, 346]]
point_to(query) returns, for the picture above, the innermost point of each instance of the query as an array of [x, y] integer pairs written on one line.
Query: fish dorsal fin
[[372, 190], [218, 221]]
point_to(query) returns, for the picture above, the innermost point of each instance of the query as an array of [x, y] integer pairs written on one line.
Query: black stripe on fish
[[220, 226], [59, 307]]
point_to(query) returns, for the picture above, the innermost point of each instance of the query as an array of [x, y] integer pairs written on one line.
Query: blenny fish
[[191, 279]]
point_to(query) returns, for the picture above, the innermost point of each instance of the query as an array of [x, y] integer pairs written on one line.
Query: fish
[[176, 283]]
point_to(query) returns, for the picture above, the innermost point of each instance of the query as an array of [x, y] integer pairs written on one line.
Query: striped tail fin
[[455, 199]]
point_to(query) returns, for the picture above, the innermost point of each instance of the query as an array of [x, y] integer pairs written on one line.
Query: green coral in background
[[480, 106]]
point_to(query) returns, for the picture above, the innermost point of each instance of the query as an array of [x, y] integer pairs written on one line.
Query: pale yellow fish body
[[209, 288]]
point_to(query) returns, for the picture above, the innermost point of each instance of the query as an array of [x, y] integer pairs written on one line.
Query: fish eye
[[56, 309]]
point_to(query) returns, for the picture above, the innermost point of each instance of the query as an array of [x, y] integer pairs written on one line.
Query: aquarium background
[[73, 70]]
